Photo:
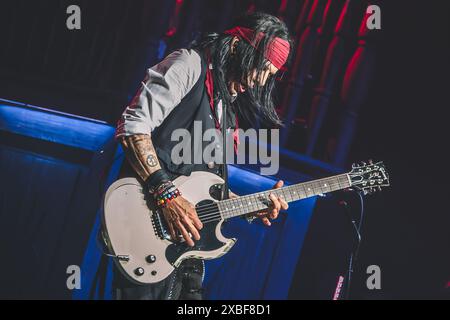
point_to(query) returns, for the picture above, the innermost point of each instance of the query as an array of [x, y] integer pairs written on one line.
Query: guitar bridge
[[159, 226]]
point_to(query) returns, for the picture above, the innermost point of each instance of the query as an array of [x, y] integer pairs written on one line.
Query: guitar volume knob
[[139, 271], [150, 258]]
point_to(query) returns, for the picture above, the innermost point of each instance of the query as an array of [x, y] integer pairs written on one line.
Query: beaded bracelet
[[166, 193]]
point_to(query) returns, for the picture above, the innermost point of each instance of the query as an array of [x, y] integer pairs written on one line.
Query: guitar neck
[[260, 201]]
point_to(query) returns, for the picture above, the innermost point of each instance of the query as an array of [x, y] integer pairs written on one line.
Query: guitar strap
[[225, 190], [209, 84]]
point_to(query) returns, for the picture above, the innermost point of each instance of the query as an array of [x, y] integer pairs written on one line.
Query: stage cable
[[357, 227]]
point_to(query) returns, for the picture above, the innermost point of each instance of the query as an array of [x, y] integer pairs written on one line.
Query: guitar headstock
[[369, 177]]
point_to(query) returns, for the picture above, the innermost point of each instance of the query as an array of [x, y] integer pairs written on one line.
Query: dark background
[[402, 122], [407, 227]]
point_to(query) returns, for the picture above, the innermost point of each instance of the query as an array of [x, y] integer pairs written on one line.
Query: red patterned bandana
[[277, 52]]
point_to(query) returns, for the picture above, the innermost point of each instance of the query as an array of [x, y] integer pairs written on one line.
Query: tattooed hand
[[181, 217]]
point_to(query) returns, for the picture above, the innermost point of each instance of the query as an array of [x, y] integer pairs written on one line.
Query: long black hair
[[255, 104]]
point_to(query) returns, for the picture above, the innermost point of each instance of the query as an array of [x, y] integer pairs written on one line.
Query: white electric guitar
[[140, 243]]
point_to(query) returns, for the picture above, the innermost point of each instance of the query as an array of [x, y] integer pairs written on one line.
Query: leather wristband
[[156, 179]]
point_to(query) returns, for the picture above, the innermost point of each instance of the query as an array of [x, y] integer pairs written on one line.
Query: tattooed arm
[[163, 88], [141, 154]]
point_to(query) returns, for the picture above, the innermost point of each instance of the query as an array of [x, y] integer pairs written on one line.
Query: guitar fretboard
[[259, 201]]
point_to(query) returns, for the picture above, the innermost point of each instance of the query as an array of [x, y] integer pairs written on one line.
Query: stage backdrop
[[52, 169]]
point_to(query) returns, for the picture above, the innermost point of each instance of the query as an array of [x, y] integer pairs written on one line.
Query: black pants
[[185, 283]]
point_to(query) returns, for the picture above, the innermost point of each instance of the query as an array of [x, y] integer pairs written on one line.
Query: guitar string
[[217, 213], [202, 211], [207, 216], [216, 216], [205, 213], [274, 190]]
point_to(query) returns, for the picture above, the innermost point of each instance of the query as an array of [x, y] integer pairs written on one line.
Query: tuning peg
[[354, 165], [379, 188], [370, 161], [363, 163]]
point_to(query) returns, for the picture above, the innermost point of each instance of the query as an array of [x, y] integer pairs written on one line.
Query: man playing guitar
[[233, 71]]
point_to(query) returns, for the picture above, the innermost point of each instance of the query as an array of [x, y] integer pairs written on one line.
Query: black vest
[[193, 107]]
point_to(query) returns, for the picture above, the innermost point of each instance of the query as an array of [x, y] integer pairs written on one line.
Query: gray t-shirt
[[164, 86]]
